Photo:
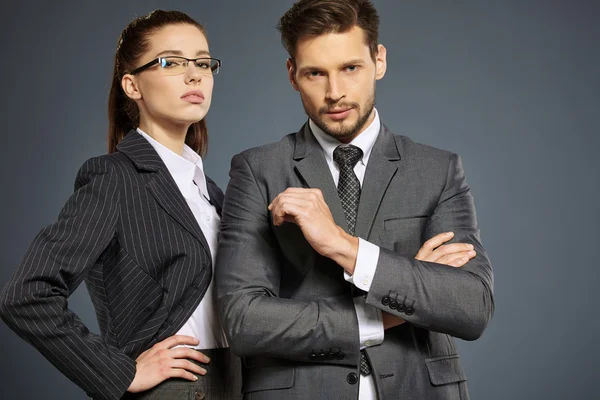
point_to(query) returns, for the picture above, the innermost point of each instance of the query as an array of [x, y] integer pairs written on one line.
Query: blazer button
[[401, 307], [340, 355], [410, 311], [393, 304], [199, 395], [322, 356], [385, 301], [352, 378], [313, 356]]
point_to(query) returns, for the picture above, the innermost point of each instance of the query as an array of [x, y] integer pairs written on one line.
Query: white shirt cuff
[[366, 264], [370, 323]]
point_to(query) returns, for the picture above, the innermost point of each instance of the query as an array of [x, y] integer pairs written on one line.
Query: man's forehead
[[332, 47]]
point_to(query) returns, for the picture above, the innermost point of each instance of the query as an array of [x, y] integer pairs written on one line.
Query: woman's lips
[[195, 97]]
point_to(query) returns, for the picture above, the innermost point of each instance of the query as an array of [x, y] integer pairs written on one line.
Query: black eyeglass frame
[[158, 61]]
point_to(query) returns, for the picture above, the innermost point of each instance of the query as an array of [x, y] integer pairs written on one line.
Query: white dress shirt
[[370, 323], [188, 172]]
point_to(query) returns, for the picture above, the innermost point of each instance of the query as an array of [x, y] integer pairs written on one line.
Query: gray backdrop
[[512, 86]]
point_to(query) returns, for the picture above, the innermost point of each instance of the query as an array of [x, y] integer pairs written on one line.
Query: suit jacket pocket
[[444, 370], [267, 378]]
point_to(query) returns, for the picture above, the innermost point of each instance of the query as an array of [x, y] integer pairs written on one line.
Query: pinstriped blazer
[[129, 233]]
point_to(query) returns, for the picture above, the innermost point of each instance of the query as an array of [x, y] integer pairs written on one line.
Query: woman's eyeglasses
[[175, 65]]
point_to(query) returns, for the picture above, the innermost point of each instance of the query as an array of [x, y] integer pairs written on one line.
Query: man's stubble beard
[[342, 133]]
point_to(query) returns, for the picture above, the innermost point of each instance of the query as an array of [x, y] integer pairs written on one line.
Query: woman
[[141, 229]]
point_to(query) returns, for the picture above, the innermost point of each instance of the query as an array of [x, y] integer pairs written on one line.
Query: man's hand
[[454, 255], [162, 361], [434, 250], [307, 209]]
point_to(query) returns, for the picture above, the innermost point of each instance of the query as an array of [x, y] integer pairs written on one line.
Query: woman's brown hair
[[123, 113]]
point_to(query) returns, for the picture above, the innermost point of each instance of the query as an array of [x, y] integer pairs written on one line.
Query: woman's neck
[[169, 135]]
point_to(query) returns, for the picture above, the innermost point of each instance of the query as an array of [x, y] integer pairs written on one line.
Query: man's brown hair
[[311, 18]]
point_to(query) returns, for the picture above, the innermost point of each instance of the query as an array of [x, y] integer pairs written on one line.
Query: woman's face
[[172, 99]]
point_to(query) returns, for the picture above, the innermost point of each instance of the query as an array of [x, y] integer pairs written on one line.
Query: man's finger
[[433, 243], [283, 196], [448, 249], [285, 210], [461, 257]]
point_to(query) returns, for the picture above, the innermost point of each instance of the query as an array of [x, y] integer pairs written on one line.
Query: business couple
[[340, 263]]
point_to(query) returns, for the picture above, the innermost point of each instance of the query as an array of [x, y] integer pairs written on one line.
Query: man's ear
[[380, 62], [130, 87], [291, 69]]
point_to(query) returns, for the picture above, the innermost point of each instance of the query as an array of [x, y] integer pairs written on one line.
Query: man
[[318, 284]]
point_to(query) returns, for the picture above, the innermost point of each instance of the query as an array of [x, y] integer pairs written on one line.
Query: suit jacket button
[[410, 311], [322, 356], [393, 304], [352, 378], [401, 307], [385, 301], [339, 355], [313, 356], [199, 395]]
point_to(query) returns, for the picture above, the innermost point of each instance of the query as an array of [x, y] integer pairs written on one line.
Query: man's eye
[[352, 68]]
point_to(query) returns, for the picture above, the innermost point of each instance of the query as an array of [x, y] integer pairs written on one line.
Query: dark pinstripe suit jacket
[[127, 231]]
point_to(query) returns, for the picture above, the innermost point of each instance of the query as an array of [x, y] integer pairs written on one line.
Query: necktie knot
[[347, 156]]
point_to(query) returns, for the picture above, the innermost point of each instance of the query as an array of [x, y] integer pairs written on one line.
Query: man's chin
[[339, 130]]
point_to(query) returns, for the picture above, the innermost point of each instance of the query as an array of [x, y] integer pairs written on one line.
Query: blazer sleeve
[[247, 274], [456, 301], [34, 302]]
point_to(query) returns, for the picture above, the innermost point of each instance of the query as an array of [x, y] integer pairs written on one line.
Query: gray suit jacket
[[289, 312]]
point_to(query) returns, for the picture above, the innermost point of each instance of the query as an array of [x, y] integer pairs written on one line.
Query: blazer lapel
[[382, 166], [215, 194], [162, 186], [314, 171]]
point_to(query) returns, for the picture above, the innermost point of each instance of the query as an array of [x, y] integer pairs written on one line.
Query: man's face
[[335, 76]]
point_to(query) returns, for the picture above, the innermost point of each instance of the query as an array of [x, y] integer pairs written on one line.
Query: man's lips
[[338, 115], [194, 96]]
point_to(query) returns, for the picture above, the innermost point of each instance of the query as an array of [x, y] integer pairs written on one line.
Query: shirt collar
[[365, 141], [185, 169]]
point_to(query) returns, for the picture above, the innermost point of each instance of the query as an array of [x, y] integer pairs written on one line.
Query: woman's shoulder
[[112, 162], [114, 166]]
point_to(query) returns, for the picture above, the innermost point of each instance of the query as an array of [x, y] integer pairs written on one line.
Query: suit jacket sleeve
[[34, 302], [456, 301], [257, 321]]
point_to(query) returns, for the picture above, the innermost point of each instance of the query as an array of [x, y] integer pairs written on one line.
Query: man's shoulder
[[278, 150], [411, 150]]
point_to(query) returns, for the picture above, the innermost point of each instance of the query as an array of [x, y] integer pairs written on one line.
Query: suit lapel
[[313, 169], [215, 194], [162, 186], [381, 168]]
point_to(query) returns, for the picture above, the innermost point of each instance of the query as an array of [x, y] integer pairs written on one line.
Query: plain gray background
[[512, 86]]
